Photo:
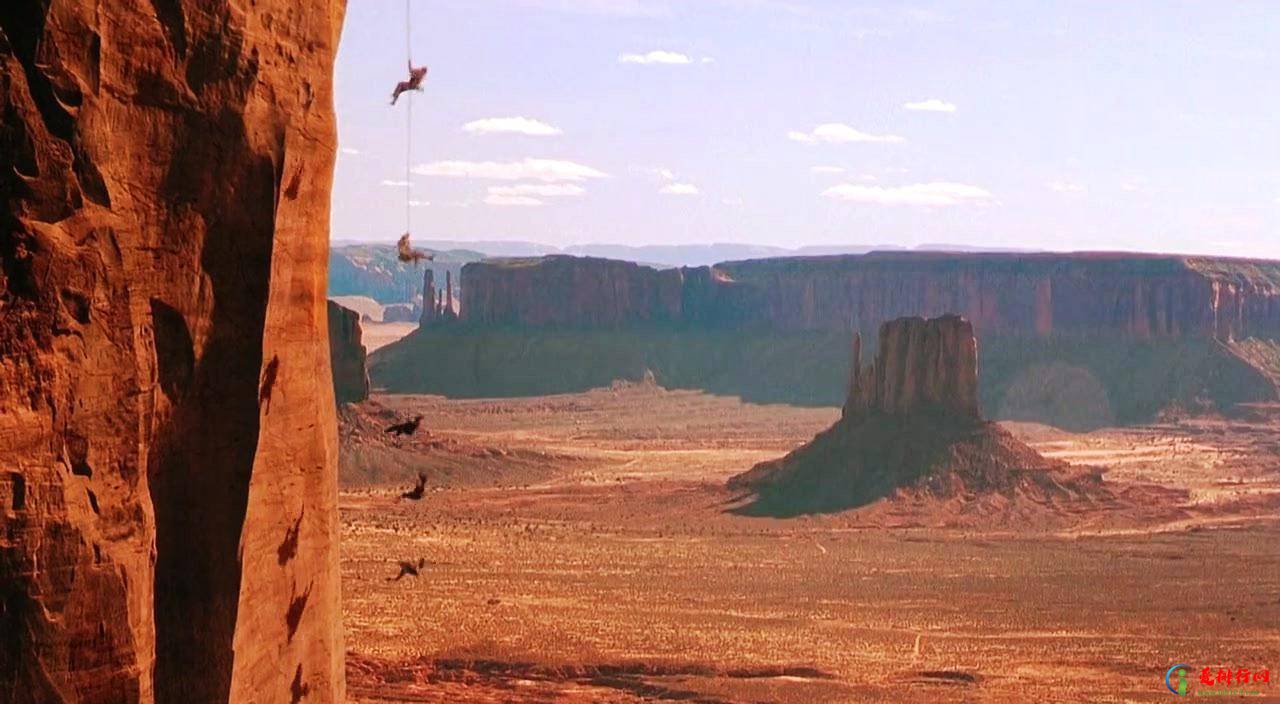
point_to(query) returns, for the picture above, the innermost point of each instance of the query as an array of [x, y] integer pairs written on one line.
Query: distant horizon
[[863, 248]]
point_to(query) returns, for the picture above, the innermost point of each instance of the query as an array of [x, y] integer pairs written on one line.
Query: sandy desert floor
[[379, 334], [580, 548]]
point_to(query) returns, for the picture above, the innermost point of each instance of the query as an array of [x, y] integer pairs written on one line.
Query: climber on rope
[[416, 77], [409, 254]]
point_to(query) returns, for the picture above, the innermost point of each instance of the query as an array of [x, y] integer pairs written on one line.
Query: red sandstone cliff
[[561, 290], [1132, 296], [347, 355], [166, 418], [921, 364]]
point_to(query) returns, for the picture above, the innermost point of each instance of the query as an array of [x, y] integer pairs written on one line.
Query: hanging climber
[[409, 254], [416, 77]]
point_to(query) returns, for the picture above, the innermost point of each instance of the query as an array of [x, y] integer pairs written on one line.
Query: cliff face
[[921, 365], [1135, 296], [1041, 295], [166, 419], [347, 355], [569, 291]]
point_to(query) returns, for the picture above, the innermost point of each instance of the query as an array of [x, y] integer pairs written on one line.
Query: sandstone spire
[[430, 309], [448, 295]]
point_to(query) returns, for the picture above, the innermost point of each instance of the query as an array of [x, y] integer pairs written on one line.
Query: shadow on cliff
[[200, 474], [1074, 384]]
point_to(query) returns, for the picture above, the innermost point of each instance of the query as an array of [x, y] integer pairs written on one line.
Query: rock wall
[[561, 290], [347, 355], [920, 365], [1042, 295], [168, 489]]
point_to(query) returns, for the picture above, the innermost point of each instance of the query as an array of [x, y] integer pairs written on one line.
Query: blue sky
[[1145, 126]]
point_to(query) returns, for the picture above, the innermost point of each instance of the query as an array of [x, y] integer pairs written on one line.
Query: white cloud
[[935, 193], [1065, 187], [931, 105], [548, 170], [419, 203], [733, 201], [655, 57], [680, 189], [543, 190], [661, 172], [708, 60], [349, 150], [836, 133], [827, 169], [511, 125], [397, 184], [509, 201]]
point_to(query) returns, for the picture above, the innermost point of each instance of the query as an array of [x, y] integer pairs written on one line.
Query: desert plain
[[583, 548]]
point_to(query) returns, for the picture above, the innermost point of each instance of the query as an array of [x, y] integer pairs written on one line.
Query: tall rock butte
[[347, 355], [168, 485], [920, 365], [911, 426]]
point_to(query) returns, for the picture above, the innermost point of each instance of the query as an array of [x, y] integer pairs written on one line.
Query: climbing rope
[[408, 124], [416, 75]]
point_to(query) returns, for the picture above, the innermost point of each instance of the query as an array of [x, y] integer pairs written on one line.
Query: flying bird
[[408, 427], [408, 568], [415, 494]]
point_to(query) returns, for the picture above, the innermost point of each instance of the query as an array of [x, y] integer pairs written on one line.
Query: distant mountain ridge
[[374, 271], [658, 255]]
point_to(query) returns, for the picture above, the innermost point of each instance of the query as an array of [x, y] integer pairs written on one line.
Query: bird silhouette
[[409, 568], [415, 494], [408, 427]]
